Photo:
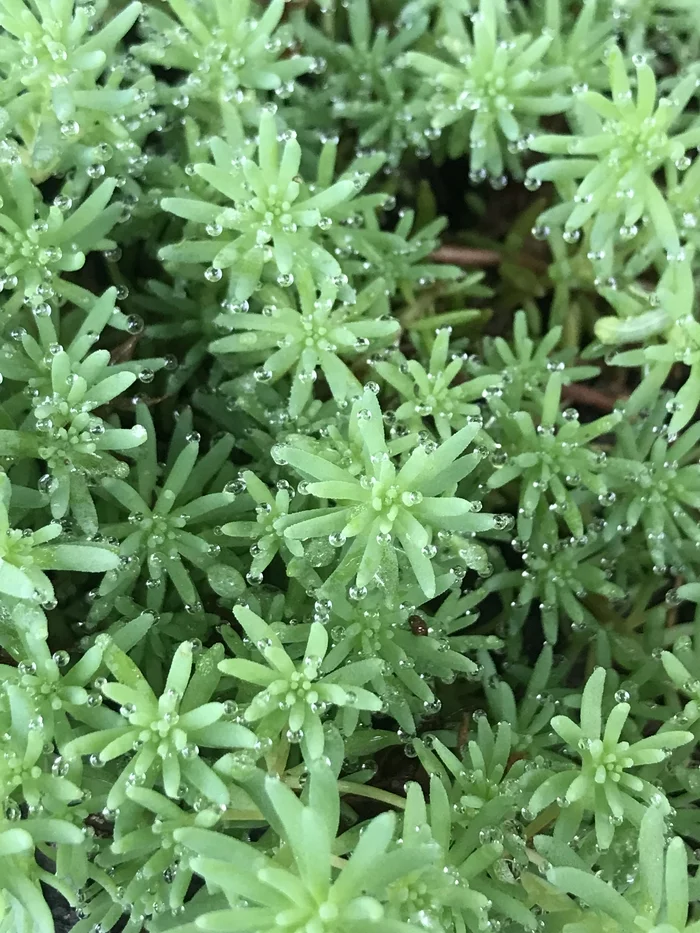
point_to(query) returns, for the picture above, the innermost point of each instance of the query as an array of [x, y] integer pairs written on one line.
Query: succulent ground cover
[[349, 466]]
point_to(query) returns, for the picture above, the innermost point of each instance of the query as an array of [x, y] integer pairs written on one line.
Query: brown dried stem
[[466, 256], [586, 395]]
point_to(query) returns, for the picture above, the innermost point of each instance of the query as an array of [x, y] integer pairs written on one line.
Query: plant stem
[[541, 820], [360, 790], [586, 395], [375, 793], [466, 256], [244, 816]]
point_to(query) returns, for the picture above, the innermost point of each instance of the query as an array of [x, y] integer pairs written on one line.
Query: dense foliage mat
[[350, 466]]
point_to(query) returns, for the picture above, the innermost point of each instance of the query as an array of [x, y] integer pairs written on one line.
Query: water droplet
[[61, 658], [70, 129], [502, 522], [571, 236]]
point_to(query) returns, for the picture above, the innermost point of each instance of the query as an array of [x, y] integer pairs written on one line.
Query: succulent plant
[[349, 559]]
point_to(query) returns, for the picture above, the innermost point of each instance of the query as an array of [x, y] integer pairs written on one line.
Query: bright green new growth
[[430, 393], [313, 337], [271, 220], [350, 506], [384, 502], [627, 141], [58, 96], [494, 94], [165, 732], [37, 246], [296, 696], [225, 52], [603, 784], [548, 458]]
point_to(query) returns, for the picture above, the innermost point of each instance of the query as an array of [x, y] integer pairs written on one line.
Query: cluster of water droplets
[[270, 534], [69, 434], [44, 685], [45, 60], [227, 68], [32, 253]]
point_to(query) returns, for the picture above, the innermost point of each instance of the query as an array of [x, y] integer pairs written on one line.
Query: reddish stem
[[125, 351], [466, 257], [585, 395]]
